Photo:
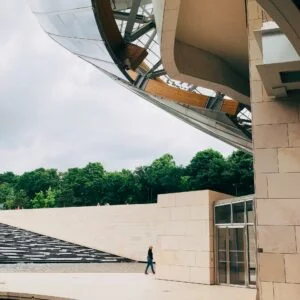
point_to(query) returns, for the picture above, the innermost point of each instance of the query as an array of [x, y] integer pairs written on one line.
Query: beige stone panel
[[289, 160], [277, 239], [270, 136], [201, 212], [284, 185], [165, 257], [254, 75], [254, 11], [292, 268], [215, 196], [256, 91], [180, 213], [278, 211], [166, 200], [180, 273], [261, 186], [271, 267], [204, 259], [194, 198], [168, 39], [167, 55], [197, 228], [169, 65], [284, 291], [265, 95], [267, 291], [266, 161], [195, 243], [201, 275], [251, 35], [163, 272], [163, 214], [294, 134], [255, 25], [170, 242], [175, 228], [298, 236], [170, 20], [172, 4], [275, 112], [254, 49], [185, 258]]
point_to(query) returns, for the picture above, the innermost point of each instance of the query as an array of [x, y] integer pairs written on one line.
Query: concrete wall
[[185, 245], [276, 147], [125, 230]]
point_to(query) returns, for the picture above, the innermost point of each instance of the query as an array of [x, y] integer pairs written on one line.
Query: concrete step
[[21, 246]]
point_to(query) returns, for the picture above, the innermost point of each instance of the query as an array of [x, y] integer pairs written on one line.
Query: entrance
[[235, 242], [231, 255]]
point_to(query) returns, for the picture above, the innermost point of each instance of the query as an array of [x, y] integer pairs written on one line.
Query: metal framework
[[143, 34]]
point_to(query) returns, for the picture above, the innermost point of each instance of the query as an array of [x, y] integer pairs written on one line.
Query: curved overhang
[[214, 123], [120, 38], [204, 45]]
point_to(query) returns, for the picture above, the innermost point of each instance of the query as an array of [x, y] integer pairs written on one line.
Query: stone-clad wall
[[185, 245], [179, 226], [276, 145], [124, 230]]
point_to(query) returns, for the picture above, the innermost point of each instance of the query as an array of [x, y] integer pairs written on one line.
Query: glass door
[[251, 255], [222, 255], [236, 249], [231, 256]]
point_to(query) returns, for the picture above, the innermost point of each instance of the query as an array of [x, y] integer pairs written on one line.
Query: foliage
[[44, 199], [93, 185]]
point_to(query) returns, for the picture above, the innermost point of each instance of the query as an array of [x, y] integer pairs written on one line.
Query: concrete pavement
[[92, 286]]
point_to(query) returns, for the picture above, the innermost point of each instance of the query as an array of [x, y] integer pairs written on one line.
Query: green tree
[[206, 171], [162, 176], [5, 190], [38, 180], [82, 186], [120, 188], [239, 174], [91, 185], [10, 202], [22, 200], [8, 177], [44, 199]]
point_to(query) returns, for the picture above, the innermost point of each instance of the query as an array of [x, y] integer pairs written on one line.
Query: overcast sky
[[56, 111]]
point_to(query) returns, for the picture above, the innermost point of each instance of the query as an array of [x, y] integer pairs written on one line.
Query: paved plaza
[[115, 286]]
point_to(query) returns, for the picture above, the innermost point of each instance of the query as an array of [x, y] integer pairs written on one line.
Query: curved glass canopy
[[119, 38]]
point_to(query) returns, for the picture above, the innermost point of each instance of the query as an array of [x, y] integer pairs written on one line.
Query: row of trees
[[94, 185]]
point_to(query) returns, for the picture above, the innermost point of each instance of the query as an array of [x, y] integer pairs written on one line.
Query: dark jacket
[[150, 254]]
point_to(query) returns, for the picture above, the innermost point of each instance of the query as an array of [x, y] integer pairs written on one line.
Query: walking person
[[150, 260]]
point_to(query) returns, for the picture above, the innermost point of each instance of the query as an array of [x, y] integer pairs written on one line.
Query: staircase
[[21, 246]]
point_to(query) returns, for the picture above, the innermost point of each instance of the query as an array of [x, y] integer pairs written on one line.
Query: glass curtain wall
[[72, 24]]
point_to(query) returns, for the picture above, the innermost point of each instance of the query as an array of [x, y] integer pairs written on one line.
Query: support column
[[276, 148]]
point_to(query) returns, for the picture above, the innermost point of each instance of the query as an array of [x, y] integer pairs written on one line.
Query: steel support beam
[[138, 33], [132, 17], [124, 16], [158, 73]]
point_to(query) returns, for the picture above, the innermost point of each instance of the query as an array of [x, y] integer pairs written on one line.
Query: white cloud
[[58, 111]]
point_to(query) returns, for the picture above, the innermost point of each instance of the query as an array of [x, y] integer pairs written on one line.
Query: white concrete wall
[[185, 246], [125, 230]]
